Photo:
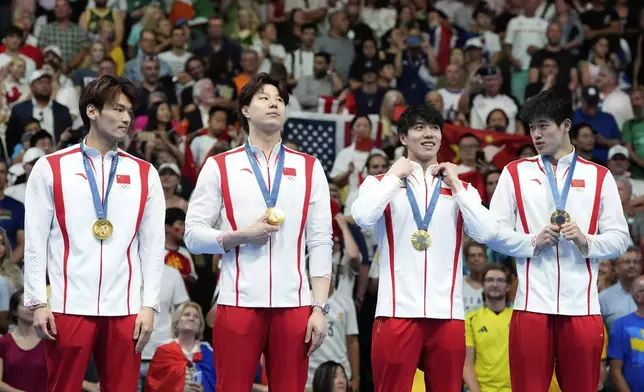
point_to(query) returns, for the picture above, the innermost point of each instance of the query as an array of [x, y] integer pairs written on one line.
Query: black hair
[[466, 135], [574, 130], [194, 58], [324, 376], [309, 26], [153, 123], [253, 87], [216, 109], [291, 141], [174, 214], [423, 113], [13, 31], [39, 136], [325, 55], [507, 120], [547, 105], [525, 147], [495, 171], [372, 156], [105, 90], [14, 302], [31, 120]]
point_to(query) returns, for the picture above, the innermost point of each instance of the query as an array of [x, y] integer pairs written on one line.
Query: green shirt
[[633, 132]]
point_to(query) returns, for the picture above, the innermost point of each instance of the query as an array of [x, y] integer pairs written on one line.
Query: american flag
[[324, 135]]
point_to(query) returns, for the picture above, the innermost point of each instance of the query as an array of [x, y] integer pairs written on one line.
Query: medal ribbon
[[423, 222], [99, 206], [560, 199], [269, 198]]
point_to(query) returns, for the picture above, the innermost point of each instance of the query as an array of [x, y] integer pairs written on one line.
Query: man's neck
[[150, 85], [178, 50], [204, 106], [63, 22], [99, 142], [476, 276], [265, 141], [424, 164], [171, 243], [495, 305], [42, 103], [250, 74], [369, 88], [566, 149], [187, 340], [306, 48], [469, 162], [608, 90], [12, 53], [627, 284], [216, 42]]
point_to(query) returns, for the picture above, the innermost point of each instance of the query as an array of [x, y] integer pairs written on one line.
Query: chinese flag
[[122, 178]]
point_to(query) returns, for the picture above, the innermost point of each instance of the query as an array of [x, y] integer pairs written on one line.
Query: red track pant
[[536, 340], [241, 335], [109, 338], [400, 346]]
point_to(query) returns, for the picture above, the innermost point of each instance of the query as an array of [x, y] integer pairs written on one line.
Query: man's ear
[[244, 111], [403, 139], [566, 125], [91, 112]]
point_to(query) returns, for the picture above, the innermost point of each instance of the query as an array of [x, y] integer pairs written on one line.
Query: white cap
[[171, 166], [32, 155], [54, 49], [37, 74], [474, 43], [618, 149]]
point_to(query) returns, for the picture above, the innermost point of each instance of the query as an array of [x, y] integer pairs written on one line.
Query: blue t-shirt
[[604, 124], [626, 343], [12, 218]]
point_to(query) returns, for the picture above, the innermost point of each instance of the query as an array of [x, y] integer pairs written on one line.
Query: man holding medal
[[104, 265], [559, 215], [270, 205], [420, 211]]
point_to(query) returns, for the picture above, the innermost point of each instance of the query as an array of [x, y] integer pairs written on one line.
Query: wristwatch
[[324, 307]]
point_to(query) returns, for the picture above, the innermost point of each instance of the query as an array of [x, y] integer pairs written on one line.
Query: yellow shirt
[[119, 59], [554, 384], [419, 382], [488, 333]]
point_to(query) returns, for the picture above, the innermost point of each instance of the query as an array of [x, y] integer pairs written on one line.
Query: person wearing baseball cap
[[170, 175], [28, 160], [619, 164], [608, 133]]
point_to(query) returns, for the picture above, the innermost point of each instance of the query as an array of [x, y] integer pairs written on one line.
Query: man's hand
[[143, 328], [315, 330], [258, 232], [44, 322], [402, 168], [190, 386], [91, 387], [354, 384], [450, 175], [549, 236], [571, 232]]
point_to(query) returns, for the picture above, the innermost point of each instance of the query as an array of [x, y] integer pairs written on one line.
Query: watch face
[[326, 308]]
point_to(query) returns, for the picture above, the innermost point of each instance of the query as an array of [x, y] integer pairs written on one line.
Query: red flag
[[122, 178], [477, 180], [167, 370], [289, 171]]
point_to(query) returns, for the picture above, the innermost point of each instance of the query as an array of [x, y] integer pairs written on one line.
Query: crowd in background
[[475, 61]]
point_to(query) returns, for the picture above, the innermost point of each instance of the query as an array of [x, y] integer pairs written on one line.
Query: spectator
[[589, 113], [14, 218], [572, 31], [147, 50], [599, 21], [218, 49], [12, 273], [249, 68], [359, 31], [600, 55], [435, 99], [245, 29], [367, 52], [12, 44], [88, 70], [72, 40], [91, 18], [341, 344], [330, 377], [605, 275], [451, 93], [476, 262], [170, 176], [174, 363], [324, 82], [217, 131], [624, 349], [632, 133], [483, 26], [367, 98], [487, 331], [337, 44], [151, 15], [267, 47], [173, 294], [115, 52], [17, 192], [618, 164], [583, 137], [617, 300], [152, 83], [278, 72], [497, 121], [478, 105], [196, 69], [549, 80], [567, 75], [22, 352], [615, 101], [300, 63], [525, 35], [419, 65], [469, 147], [24, 20], [13, 88], [203, 96], [177, 57], [53, 117]]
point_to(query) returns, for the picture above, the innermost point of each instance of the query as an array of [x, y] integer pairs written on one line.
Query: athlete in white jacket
[[560, 215]]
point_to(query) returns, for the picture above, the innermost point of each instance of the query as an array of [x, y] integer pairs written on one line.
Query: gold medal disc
[[559, 217], [275, 216], [102, 229], [421, 240]]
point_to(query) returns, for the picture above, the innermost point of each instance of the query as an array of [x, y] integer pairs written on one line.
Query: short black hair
[[254, 86], [13, 31], [358, 117], [466, 135], [548, 105], [325, 55], [308, 26], [39, 136], [424, 113], [574, 130], [105, 90], [216, 109], [174, 214], [30, 121], [194, 58]]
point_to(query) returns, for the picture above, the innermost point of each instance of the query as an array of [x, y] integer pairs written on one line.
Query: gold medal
[[275, 216], [421, 240], [102, 229], [559, 217]]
